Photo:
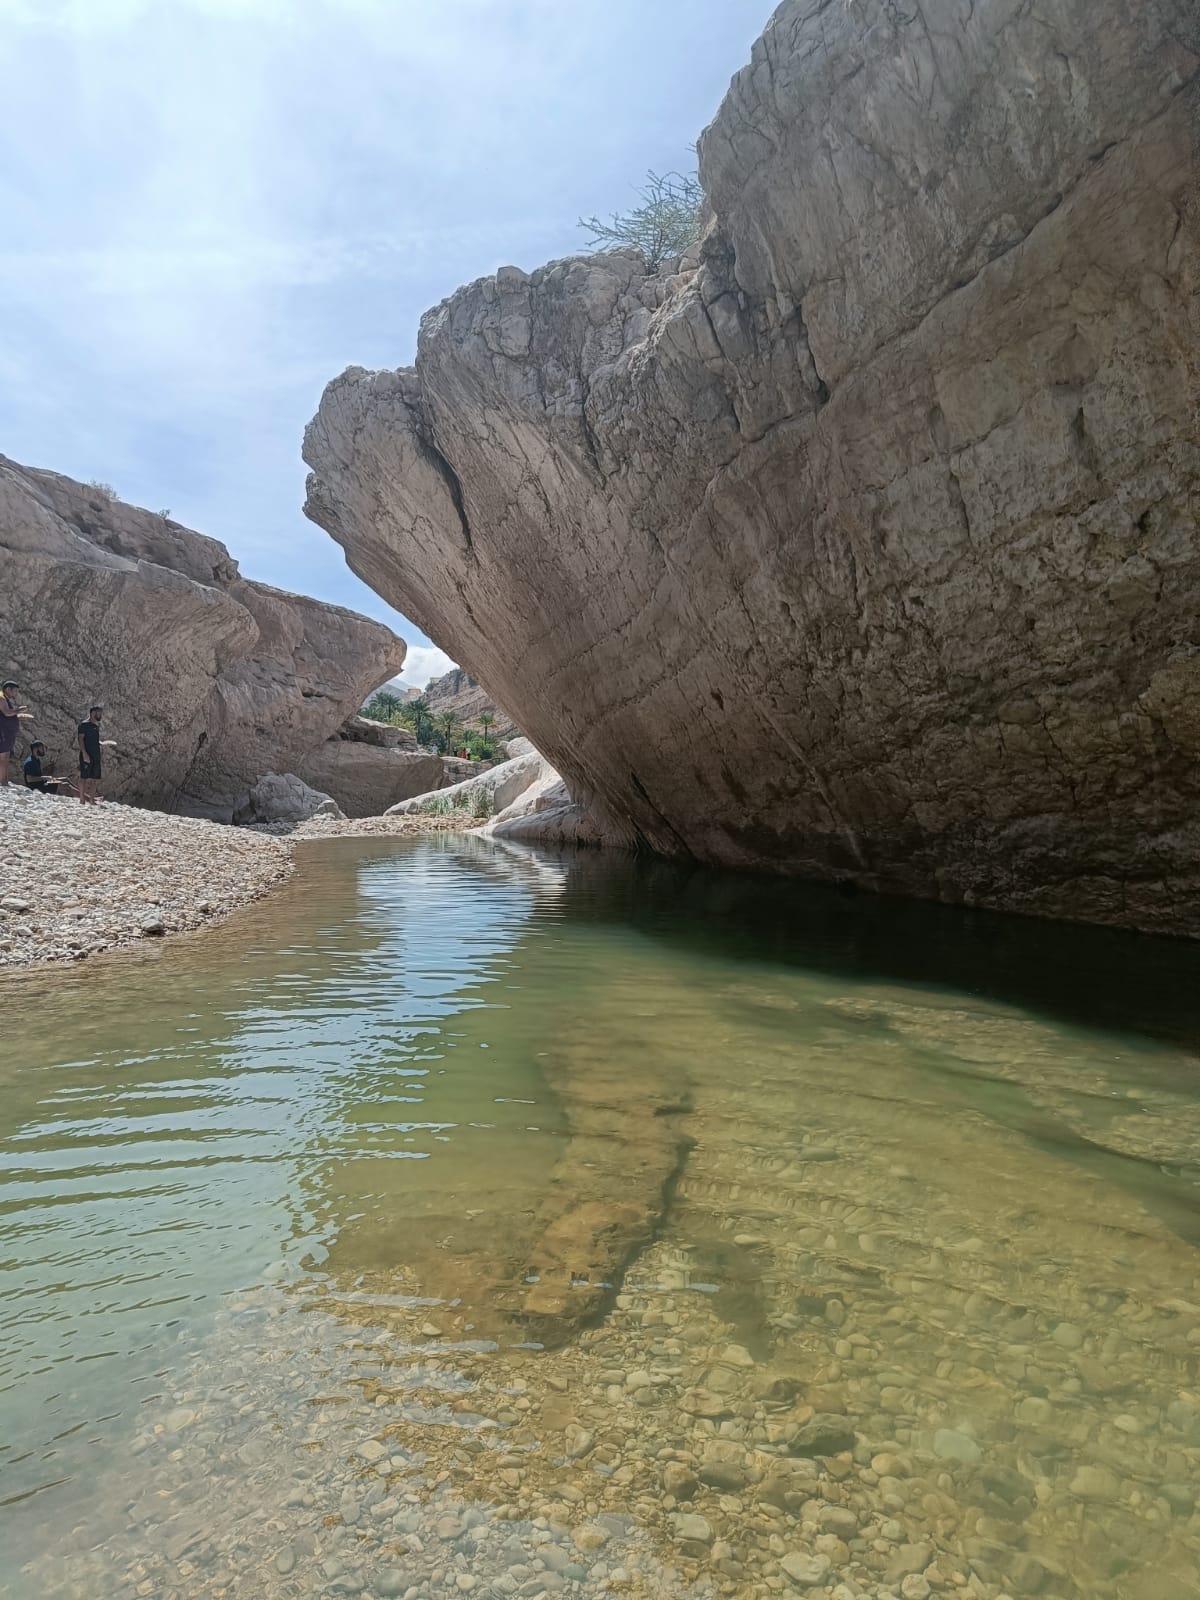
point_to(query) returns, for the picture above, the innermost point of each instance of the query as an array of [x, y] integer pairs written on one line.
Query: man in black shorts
[[90, 746]]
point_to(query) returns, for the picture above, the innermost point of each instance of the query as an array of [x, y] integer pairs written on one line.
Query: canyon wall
[[862, 544], [208, 680]]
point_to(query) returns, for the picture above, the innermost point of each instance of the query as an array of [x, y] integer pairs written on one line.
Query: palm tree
[[382, 706], [486, 719], [449, 723], [419, 717]]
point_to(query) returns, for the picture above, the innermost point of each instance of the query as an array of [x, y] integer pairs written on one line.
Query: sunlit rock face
[[458, 692], [366, 779], [208, 680], [862, 546]]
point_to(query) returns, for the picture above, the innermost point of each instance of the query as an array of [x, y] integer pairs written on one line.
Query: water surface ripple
[[465, 1217]]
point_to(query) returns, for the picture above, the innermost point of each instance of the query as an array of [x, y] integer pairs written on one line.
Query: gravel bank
[[80, 879], [387, 827]]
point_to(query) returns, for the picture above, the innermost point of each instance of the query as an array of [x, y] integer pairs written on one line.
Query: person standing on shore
[[90, 759], [11, 717]]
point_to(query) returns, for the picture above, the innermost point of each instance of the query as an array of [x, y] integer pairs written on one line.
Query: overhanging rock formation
[[864, 545], [209, 680]]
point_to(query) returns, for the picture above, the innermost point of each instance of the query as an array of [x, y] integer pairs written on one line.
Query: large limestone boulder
[[483, 795], [208, 679], [282, 797], [546, 814], [367, 779], [387, 735], [866, 547]]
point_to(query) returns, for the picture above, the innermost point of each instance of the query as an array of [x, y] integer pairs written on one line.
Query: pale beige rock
[[544, 813], [865, 548], [486, 793], [367, 779], [460, 769], [283, 797], [208, 680], [387, 735]]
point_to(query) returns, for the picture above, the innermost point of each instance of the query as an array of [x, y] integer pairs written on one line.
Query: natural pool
[[465, 1219]]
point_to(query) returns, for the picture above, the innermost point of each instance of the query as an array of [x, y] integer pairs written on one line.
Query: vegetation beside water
[[477, 805]]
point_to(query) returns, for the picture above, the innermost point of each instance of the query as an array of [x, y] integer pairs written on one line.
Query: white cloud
[[232, 200], [425, 661]]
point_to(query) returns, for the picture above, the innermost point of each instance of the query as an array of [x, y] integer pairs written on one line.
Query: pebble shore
[[385, 827], [78, 879]]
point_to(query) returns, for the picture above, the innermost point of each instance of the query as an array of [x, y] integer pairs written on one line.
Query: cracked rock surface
[[862, 545]]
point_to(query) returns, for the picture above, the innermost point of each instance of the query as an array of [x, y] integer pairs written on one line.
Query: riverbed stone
[[951, 1445], [728, 1476], [823, 1435], [704, 1402], [805, 1571], [1092, 1482], [590, 1537], [579, 1441], [679, 1480], [909, 1558], [1068, 1335], [389, 1581]]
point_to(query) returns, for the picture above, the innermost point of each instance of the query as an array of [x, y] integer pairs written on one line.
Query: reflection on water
[[465, 1218]]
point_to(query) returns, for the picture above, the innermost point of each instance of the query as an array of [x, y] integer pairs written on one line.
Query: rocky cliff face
[[208, 680], [458, 692], [864, 545]]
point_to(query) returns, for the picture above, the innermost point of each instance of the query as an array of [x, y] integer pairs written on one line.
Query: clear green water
[[458, 1148]]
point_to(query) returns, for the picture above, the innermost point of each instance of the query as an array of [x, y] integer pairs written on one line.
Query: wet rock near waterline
[[95, 877]]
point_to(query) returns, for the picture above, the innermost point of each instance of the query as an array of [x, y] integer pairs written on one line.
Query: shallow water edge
[[469, 1218]]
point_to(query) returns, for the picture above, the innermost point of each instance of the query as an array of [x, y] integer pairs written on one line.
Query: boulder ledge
[[863, 544]]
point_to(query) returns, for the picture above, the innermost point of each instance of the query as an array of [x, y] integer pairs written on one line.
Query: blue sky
[[213, 206]]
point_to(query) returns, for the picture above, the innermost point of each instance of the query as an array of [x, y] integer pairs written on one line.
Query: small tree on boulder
[[664, 226]]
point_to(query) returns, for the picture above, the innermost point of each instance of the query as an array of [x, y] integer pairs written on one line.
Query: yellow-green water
[[370, 1197]]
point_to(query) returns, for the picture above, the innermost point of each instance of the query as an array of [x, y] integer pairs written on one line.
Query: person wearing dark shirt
[[90, 759]]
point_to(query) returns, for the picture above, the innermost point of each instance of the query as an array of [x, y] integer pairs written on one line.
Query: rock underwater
[[210, 680], [862, 545]]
